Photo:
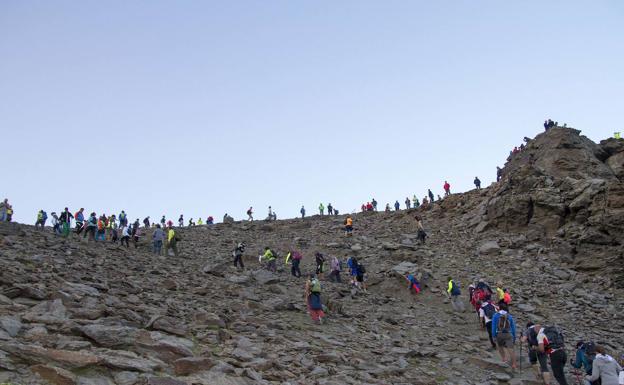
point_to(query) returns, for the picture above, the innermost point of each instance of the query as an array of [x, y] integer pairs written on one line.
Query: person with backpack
[[421, 234], [296, 258], [39, 221], [397, 206], [360, 280], [431, 197], [352, 265], [504, 333], [157, 240], [125, 236], [91, 226], [146, 222], [113, 229], [123, 219], [454, 292], [302, 211], [312, 295], [374, 204], [172, 240], [270, 258], [414, 285], [320, 264], [535, 356], [237, 253], [79, 217], [330, 209], [584, 357], [477, 183], [336, 267], [66, 218], [348, 226], [100, 234], [551, 342], [604, 368], [486, 312], [250, 214], [56, 224]]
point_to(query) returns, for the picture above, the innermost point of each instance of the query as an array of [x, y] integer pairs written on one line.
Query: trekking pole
[[520, 358]]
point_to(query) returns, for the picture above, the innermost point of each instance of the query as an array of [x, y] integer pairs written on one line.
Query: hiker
[[500, 293], [499, 173], [322, 209], [125, 236], [535, 356], [421, 235], [210, 221], [369, 207], [415, 202], [408, 203], [200, 222], [584, 358], [172, 240], [181, 221], [447, 188], [295, 258], [352, 265], [312, 296], [551, 342], [605, 368], [387, 207], [359, 276], [336, 212], [397, 206], [238, 255], [477, 183], [136, 233], [123, 218], [191, 223], [330, 209], [4, 205], [146, 222], [348, 226], [302, 211], [250, 214], [56, 224], [41, 218], [425, 201], [270, 257], [100, 234], [66, 218], [486, 312], [270, 214], [335, 267], [504, 333], [374, 204], [90, 227], [414, 285], [320, 264], [431, 197], [113, 227], [453, 292], [157, 239], [162, 222]]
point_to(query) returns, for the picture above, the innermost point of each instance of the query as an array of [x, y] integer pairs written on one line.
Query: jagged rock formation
[[73, 312]]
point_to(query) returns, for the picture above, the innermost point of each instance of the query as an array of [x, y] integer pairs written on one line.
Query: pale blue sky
[[206, 107]]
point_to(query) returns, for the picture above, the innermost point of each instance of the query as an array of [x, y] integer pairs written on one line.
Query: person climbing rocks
[[330, 209], [312, 295], [550, 341], [4, 205], [90, 227], [321, 209], [56, 224], [250, 214], [447, 188], [604, 368], [136, 234], [504, 333], [352, 263], [421, 234], [146, 222], [397, 206], [125, 236], [486, 312], [172, 240], [413, 284], [477, 183], [41, 219], [320, 264], [454, 292], [295, 258], [237, 253], [114, 235], [181, 221], [537, 359], [584, 357], [269, 256], [499, 173], [348, 226], [302, 211], [66, 218], [374, 204], [335, 266], [100, 234], [408, 203], [360, 276], [157, 240], [9, 213], [431, 197]]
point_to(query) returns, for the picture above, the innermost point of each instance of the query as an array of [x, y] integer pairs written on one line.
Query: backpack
[[315, 286], [555, 337], [503, 323], [361, 269], [248, 212], [455, 290], [489, 310]]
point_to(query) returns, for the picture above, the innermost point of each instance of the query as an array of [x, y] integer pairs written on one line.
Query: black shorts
[[348, 229], [535, 357]]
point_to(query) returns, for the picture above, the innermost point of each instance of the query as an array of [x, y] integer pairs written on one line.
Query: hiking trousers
[[238, 260], [488, 327], [158, 246], [124, 240], [557, 362], [334, 276], [90, 232], [294, 270]]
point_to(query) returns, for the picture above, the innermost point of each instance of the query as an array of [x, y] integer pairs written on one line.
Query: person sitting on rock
[[414, 285], [425, 201], [238, 255], [312, 295], [504, 333], [320, 264], [370, 207], [477, 183]]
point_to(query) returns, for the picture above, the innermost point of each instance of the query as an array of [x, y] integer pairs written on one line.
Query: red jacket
[[447, 186]]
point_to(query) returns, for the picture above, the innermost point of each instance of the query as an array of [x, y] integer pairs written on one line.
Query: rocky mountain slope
[[73, 312]]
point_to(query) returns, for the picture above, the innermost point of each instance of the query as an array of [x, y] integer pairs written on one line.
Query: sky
[[209, 107]]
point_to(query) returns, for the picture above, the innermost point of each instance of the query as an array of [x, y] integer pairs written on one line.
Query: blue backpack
[[455, 290]]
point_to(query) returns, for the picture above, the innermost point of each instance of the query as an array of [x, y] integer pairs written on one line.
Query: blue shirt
[[512, 325]]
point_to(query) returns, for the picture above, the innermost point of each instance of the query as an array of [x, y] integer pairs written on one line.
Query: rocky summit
[[78, 312]]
